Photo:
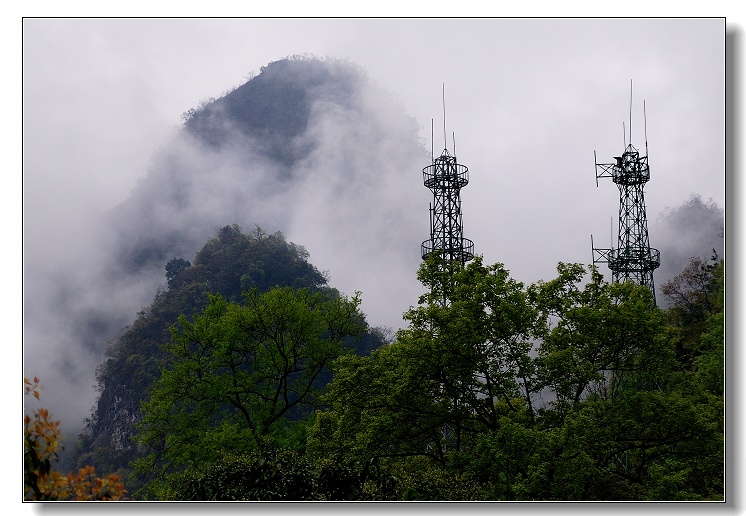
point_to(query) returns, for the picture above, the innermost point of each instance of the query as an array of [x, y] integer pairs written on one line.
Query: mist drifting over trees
[[695, 228]]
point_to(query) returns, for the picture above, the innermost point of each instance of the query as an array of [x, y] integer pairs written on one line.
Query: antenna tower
[[445, 177], [633, 259]]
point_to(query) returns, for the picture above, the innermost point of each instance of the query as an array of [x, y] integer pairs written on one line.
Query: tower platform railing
[[463, 252], [634, 259], [452, 175]]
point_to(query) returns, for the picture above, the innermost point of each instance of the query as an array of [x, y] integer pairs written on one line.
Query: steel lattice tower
[[633, 259], [445, 178]]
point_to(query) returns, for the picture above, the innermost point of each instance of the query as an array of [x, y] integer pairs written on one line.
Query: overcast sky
[[529, 100]]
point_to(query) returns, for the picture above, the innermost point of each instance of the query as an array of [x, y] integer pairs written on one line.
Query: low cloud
[[695, 228]]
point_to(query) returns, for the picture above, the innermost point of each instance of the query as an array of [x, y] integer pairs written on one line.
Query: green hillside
[[229, 264]]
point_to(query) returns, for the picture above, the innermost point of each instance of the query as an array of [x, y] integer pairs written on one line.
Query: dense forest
[[249, 378]]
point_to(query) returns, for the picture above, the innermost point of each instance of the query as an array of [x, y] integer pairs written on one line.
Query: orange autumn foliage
[[41, 443]]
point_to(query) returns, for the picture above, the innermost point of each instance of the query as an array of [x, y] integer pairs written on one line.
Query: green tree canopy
[[567, 389], [244, 376]]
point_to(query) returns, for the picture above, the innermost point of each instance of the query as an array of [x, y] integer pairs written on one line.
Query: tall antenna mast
[[630, 111], [445, 141], [645, 125], [633, 259]]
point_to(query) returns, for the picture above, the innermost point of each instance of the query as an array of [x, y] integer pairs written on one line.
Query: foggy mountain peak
[[308, 147], [298, 118], [275, 106]]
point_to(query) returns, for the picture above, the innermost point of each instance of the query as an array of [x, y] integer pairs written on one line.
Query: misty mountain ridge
[[274, 108], [256, 143]]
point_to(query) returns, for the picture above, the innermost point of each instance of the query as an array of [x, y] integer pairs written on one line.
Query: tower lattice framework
[[633, 259], [445, 177]]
